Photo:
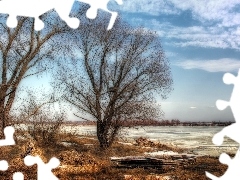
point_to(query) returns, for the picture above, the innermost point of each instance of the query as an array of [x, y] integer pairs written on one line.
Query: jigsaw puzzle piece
[[101, 4], [229, 78], [221, 104], [27, 8], [35, 8], [234, 102], [231, 131], [63, 8], [3, 165], [12, 22], [8, 133], [44, 170], [211, 176], [112, 20], [9, 140], [232, 172], [18, 176]]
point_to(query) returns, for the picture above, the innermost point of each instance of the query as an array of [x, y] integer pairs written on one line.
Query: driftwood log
[[152, 162]]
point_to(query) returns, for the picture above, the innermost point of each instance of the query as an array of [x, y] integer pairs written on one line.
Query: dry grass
[[81, 159]]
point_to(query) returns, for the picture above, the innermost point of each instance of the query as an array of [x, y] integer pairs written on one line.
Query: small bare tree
[[37, 117], [25, 52], [116, 76]]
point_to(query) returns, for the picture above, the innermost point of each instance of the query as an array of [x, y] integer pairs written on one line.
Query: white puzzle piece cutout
[[8, 133], [3, 165], [232, 131], [18, 176], [44, 170], [100, 4], [233, 172], [35, 8], [8, 141]]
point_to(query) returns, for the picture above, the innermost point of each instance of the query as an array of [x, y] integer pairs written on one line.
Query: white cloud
[[152, 7], [193, 107], [211, 10], [223, 33], [198, 36], [220, 65], [221, 11], [206, 43]]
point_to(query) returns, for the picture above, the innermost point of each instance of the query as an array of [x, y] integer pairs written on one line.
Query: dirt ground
[[81, 159]]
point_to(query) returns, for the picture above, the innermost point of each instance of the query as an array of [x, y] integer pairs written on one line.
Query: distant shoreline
[[155, 123], [143, 123]]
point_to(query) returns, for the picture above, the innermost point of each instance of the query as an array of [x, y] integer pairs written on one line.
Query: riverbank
[[196, 139], [81, 159]]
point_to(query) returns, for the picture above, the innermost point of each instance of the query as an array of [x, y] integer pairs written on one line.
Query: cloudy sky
[[201, 39]]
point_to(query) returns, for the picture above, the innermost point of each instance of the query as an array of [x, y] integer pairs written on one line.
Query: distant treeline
[[173, 122]]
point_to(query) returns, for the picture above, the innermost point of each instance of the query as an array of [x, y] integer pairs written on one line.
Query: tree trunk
[[6, 101], [102, 135], [105, 134], [2, 119]]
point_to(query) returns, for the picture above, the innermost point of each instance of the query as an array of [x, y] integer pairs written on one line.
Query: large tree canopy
[[115, 76]]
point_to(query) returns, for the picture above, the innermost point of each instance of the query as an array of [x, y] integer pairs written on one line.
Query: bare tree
[[25, 52], [38, 117], [116, 77]]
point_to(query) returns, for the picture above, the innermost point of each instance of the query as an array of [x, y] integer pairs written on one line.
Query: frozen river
[[197, 139]]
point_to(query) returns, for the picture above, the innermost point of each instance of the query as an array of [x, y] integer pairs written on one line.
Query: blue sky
[[201, 39]]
